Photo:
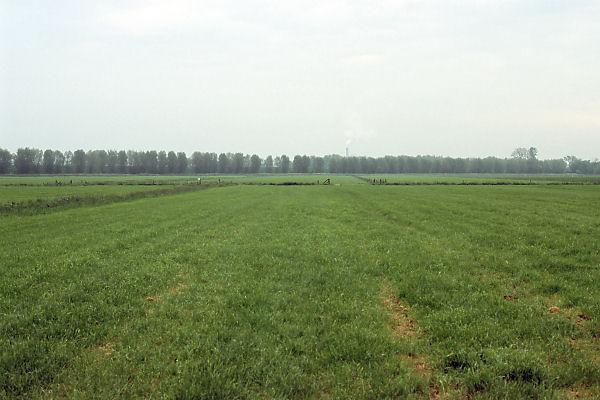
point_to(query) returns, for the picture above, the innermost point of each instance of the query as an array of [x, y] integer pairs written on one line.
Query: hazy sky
[[459, 78]]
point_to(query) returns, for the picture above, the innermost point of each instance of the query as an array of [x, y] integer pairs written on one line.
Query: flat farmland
[[17, 194], [340, 291], [54, 180], [474, 178], [282, 179]]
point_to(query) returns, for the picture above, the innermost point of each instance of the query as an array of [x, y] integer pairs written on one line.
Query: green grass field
[[272, 292], [90, 180], [28, 193], [484, 178], [38, 180], [284, 178]]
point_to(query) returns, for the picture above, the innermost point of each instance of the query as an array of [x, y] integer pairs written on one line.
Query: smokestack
[[346, 152]]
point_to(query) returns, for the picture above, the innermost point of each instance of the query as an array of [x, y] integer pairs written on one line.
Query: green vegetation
[[278, 179], [34, 161], [18, 194], [482, 179], [90, 180], [70, 180], [339, 291], [46, 193]]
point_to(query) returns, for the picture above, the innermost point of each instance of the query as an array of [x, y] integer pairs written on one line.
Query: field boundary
[[57, 183], [384, 182], [42, 206]]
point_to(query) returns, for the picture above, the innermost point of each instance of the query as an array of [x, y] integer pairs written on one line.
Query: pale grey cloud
[[464, 77]]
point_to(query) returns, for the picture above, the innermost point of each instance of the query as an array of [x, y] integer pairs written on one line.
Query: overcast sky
[[458, 78]]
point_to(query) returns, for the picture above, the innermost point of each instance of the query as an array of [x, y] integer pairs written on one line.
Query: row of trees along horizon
[[36, 161]]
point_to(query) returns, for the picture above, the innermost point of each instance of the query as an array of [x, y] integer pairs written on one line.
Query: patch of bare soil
[[451, 393], [178, 288], [402, 325], [173, 290], [579, 393], [582, 317], [104, 349], [418, 364], [586, 342]]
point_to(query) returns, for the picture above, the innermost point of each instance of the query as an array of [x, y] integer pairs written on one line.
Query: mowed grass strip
[[276, 292], [480, 178], [22, 194], [280, 179], [28, 200], [92, 179]]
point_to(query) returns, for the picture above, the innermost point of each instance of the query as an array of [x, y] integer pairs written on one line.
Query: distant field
[[28, 193], [483, 178], [284, 178], [349, 291], [76, 180], [90, 179], [45, 194]]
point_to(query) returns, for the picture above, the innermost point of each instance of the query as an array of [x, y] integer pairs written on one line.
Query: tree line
[[35, 161]]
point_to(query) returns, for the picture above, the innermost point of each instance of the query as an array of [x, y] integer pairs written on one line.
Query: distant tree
[[334, 163], [91, 162], [5, 161], [121, 166], [352, 164], [182, 163], [28, 161], [112, 159], [247, 166], [578, 166], [520, 153], [554, 166], [298, 164], [213, 162], [68, 161], [102, 161], [255, 163], [238, 163], [319, 165], [285, 164], [277, 164], [151, 162], [223, 163], [269, 164], [78, 162], [96, 161], [596, 167], [48, 162], [59, 162], [172, 162], [163, 165], [305, 163], [135, 162], [533, 165], [532, 153], [197, 162]]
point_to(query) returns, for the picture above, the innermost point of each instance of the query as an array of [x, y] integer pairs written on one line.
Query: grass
[[349, 291], [483, 178], [17, 194], [38, 180], [26, 200], [88, 180], [284, 178]]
